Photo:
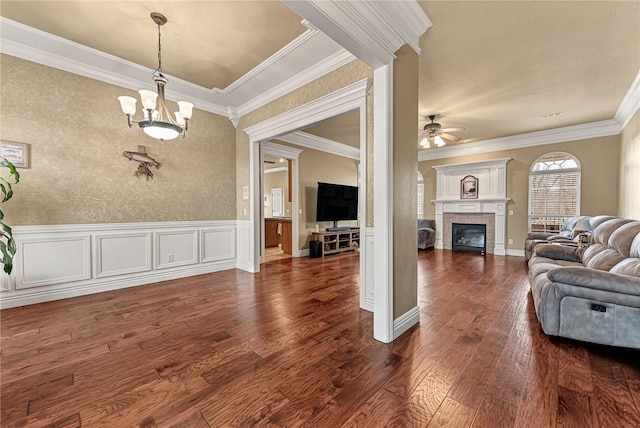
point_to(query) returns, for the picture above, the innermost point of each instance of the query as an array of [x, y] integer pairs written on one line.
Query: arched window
[[554, 191], [420, 196]]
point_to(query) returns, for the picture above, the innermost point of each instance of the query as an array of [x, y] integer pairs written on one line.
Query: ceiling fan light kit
[[435, 134], [157, 122]]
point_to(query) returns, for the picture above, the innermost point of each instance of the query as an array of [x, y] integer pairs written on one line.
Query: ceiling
[[496, 67], [343, 129], [492, 67], [203, 42]]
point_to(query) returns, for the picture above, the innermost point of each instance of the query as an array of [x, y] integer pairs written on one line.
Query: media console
[[337, 241]]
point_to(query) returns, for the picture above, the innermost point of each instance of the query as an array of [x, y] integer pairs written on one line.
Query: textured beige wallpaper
[[630, 169], [77, 134], [350, 73], [405, 185], [599, 158]]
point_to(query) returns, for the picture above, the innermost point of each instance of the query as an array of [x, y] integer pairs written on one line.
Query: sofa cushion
[[603, 232], [629, 267], [605, 259], [623, 237], [634, 251]]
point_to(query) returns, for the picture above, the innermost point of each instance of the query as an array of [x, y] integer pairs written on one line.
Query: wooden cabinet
[[286, 237], [278, 231], [271, 236], [338, 242]]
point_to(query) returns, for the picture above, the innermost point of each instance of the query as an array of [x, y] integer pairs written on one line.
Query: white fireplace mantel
[[492, 195]]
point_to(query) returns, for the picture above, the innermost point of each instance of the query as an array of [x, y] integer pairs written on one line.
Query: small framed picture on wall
[[16, 153], [469, 187]]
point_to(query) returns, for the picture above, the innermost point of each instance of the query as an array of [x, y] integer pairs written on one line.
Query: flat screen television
[[336, 202]]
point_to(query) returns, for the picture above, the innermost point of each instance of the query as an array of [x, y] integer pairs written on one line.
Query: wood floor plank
[[290, 347], [494, 412]]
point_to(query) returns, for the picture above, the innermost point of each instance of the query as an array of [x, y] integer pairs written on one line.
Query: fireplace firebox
[[469, 237]]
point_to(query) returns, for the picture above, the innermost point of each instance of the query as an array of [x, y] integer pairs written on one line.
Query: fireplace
[[469, 237]]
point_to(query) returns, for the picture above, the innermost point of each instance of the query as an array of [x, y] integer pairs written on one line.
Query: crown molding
[[630, 103], [309, 56], [277, 169], [329, 105], [325, 66], [279, 150], [311, 141], [602, 128], [490, 163], [47, 49], [373, 31]]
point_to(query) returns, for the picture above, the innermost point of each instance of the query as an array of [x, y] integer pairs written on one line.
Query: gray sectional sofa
[[426, 234], [591, 294]]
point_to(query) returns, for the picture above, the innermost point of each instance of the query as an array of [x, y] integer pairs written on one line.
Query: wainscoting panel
[[244, 245], [368, 241], [49, 260], [217, 244], [176, 248], [62, 261], [122, 253]]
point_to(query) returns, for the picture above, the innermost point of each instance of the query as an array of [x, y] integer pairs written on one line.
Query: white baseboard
[[514, 252], [303, 253], [405, 321], [33, 296]]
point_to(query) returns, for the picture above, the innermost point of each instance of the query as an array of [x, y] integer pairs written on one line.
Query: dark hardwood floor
[[289, 347]]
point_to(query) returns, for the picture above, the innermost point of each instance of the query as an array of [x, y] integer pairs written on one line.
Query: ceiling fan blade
[[267, 161], [450, 137], [453, 129]]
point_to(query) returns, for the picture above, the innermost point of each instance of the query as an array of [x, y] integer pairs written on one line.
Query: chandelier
[[156, 121]]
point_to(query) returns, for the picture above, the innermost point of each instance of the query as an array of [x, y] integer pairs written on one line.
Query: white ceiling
[[492, 67]]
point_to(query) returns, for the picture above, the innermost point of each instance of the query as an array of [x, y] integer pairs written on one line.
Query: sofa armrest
[[559, 252], [596, 279], [539, 235]]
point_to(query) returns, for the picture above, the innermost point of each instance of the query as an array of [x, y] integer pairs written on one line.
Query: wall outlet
[[169, 257], [510, 241]]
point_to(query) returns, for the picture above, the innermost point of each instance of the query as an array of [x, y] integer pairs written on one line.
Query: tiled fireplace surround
[[489, 208]]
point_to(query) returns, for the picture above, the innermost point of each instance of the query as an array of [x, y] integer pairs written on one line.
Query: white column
[[383, 203]]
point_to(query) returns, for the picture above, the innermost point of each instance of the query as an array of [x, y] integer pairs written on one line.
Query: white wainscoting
[[245, 249], [368, 282], [61, 261]]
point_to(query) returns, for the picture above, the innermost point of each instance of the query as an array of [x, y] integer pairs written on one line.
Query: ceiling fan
[[435, 134]]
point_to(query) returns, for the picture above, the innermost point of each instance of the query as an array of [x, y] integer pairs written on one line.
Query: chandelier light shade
[[156, 121]]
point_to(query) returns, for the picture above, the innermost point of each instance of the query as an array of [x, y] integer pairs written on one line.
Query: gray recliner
[[426, 234]]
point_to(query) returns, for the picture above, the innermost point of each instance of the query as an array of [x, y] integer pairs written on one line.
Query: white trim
[[325, 107], [291, 153], [372, 31], [515, 253], [311, 141], [303, 253], [325, 66], [346, 99], [405, 321], [281, 53], [477, 164], [312, 49], [367, 299], [278, 169], [383, 203], [42, 294], [84, 273], [549, 136], [630, 103]]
